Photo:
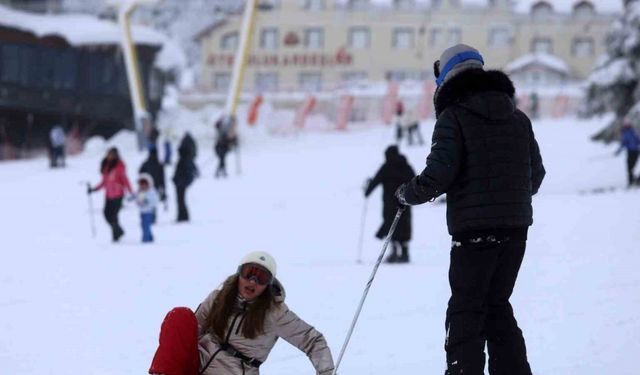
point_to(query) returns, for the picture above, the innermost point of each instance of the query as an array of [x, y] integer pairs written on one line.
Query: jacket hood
[[147, 177], [278, 290], [496, 101]]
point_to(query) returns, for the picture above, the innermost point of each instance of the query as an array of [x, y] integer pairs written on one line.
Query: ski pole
[[92, 220], [366, 289], [362, 222]]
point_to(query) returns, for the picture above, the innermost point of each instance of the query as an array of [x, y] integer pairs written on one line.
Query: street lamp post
[[141, 118]]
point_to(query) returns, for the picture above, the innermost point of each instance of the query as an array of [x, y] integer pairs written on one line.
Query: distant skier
[[413, 128], [225, 140], [631, 142], [146, 198], [153, 167], [485, 157], [115, 183], [185, 172], [235, 328], [399, 120], [57, 139], [394, 172]]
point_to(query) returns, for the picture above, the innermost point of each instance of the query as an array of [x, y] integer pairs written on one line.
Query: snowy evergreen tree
[[614, 85]]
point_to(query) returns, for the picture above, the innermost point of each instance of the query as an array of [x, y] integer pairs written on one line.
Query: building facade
[[37, 6], [312, 45]]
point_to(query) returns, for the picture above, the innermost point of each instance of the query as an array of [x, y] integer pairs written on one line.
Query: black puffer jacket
[[393, 173], [484, 155]]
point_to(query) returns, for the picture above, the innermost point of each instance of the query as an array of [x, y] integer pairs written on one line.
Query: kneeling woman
[[235, 327]]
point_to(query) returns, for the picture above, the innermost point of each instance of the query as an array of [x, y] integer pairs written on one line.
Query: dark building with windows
[[38, 6], [68, 70]]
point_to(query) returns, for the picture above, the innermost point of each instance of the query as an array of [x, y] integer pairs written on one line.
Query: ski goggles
[[256, 273]]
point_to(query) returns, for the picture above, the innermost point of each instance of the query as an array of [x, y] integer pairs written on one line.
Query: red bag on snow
[[177, 353]]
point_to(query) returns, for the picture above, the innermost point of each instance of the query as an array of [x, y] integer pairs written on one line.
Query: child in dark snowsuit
[[394, 172]]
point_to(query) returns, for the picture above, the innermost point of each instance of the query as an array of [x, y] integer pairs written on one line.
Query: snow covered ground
[[72, 304]]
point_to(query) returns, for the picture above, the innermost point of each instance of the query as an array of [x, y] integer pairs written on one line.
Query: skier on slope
[[236, 326], [630, 141], [394, 172], [484, 156], [115, 183]]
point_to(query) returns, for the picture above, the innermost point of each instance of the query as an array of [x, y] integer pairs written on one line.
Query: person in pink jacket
[[116, 184]]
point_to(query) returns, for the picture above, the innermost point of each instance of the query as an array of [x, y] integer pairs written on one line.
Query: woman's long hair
[[223, 308], [108, 165]]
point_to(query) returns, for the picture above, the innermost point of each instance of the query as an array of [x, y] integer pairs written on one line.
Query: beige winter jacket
[[280, 322]]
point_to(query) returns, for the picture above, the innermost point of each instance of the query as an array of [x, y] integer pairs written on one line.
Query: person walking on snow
[[57, 139], [630, 141], [235, 328], [115, 183], [184, 174], [485, 157], [394, 172], [146, 198]]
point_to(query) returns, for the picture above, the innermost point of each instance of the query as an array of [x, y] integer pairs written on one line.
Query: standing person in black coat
[[154, 168], [394, 172], [186, 171], [485, 157], [223, 143]]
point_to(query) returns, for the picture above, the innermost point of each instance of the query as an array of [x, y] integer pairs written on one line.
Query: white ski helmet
[[261, 258]]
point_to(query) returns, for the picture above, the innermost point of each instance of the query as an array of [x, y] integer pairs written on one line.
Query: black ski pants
[[482, 276], [632, 159], [183, 213], [111, 209]]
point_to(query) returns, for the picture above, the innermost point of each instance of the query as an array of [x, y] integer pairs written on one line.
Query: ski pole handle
[[368, 286]]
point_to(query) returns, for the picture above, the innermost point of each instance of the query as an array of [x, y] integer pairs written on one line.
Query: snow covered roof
[[76, 29], [544, 59]]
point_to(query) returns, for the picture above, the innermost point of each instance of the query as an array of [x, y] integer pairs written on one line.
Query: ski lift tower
[[237, 77], [141, 118]]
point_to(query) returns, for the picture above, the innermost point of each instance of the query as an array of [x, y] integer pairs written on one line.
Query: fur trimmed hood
[[461, 88]]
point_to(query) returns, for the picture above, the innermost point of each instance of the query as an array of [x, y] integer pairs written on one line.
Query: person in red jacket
[[115, 183]]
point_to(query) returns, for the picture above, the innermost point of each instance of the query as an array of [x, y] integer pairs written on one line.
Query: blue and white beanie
[[455, 60]]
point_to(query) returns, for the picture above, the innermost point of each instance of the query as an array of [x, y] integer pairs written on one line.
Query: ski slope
[[72, 304]]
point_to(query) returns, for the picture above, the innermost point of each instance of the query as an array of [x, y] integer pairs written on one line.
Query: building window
[[314, 4], [583, 10], [455, 36], [499, 37], [404, 4], [9, 63], [358, 4], [269, 38], [266, 81], [310, 81], [356, 76], [400, 75], [314, 38], [582, 47], [541, 11], [403, 38], [229, 41], [542, 45], [436, 37], [359, 37], [221, 81]]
